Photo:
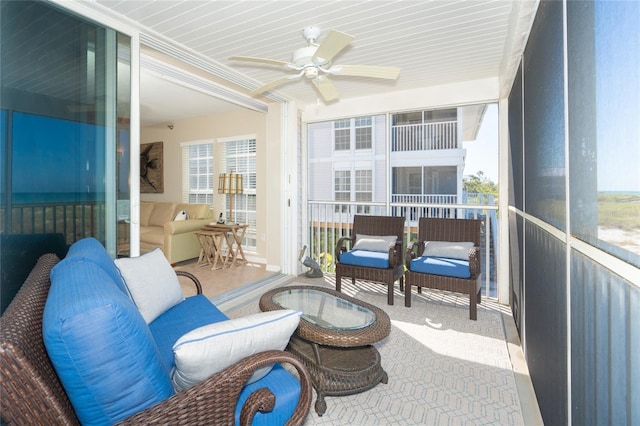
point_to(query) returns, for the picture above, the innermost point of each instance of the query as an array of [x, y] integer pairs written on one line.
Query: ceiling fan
[[314, 62]]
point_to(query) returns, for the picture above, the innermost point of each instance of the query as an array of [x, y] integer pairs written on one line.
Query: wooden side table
[[211, 242], [233, 237]]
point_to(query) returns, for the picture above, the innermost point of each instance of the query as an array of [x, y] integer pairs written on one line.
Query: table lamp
[[230, 183]]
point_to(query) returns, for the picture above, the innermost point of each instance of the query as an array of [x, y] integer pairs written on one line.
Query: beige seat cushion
[[154, 235]]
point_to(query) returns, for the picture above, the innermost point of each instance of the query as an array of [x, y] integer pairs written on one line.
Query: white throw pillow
[[451, 250], [206, 350], [152, 282], [182, 215], [374, 242]]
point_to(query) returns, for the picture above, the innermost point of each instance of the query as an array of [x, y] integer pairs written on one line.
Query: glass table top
[[325, 310]]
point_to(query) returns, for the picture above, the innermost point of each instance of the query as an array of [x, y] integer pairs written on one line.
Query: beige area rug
[[443, 368]]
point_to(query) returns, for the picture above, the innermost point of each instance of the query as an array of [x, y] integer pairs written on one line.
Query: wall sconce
[[231, 184]]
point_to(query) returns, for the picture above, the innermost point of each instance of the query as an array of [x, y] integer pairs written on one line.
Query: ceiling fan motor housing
[[304, 57]]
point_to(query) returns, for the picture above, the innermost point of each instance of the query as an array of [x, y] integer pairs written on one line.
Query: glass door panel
[[65, 125]]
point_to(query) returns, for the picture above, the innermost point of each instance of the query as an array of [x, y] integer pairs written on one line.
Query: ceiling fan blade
[[275, 83], [261, 60], [390, 73], [332, 44], [326, 88]]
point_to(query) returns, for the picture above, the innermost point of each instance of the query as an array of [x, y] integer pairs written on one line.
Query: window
[[197, 172], [364, 189], [342, 189], [342, 135], [240, 157], [65, 134], [359, 129], [363, 133], [604, 100]]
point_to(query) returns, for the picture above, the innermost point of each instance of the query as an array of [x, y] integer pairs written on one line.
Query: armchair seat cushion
[[366, 258], [441, 266], [192, 313]]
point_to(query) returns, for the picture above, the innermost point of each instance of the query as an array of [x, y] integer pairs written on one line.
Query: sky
[[482, 154], [618, 95]]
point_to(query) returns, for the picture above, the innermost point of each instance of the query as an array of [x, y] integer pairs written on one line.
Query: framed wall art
[[151, 170]]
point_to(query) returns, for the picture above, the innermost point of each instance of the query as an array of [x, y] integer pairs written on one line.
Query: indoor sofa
[[164, 225], [81, 347]]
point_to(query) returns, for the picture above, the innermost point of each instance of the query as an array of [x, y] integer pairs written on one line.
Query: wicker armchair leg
[[390, 293], [407, 295], [338, 282], [473, 308]]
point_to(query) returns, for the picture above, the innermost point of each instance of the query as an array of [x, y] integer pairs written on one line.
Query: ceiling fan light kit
[[314, 63]]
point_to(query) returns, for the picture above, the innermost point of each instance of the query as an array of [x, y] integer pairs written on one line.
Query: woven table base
[[338, 371]]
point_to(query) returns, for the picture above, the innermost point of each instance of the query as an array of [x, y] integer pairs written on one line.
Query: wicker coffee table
[[334, 339]]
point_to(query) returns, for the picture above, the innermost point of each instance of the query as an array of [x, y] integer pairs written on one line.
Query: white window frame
[[348, 134], [342, 185], [187, 158], [242, 162]]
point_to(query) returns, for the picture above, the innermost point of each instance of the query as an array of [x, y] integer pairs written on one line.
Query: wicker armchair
[[31, 392], [452, 230], [380, 226]]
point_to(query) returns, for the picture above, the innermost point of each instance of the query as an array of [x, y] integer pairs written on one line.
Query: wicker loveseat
[[32, 392]]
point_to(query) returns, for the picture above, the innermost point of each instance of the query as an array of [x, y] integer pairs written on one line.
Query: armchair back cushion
[[100, 346], [374, 242], [91, 250], [452, 250], [152, 283]]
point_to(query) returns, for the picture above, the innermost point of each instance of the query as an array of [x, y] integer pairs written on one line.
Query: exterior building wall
[[439, 169]]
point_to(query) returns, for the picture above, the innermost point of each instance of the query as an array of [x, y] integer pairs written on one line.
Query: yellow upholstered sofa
[[176, 238]]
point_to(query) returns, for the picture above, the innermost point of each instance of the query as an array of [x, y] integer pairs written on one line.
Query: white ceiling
[[433, 42], [163, 102]]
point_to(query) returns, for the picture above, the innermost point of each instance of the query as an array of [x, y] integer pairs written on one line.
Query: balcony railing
[[328, 222], [424, 136], [74, 220], [424, 205]]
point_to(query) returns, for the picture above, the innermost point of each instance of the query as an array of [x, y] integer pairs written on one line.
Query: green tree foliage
[[479, 184]]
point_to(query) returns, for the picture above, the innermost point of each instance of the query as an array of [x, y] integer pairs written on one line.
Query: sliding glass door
[[64, 126]]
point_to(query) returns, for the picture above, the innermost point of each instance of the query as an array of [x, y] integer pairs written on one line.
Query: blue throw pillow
[[100, 345]]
